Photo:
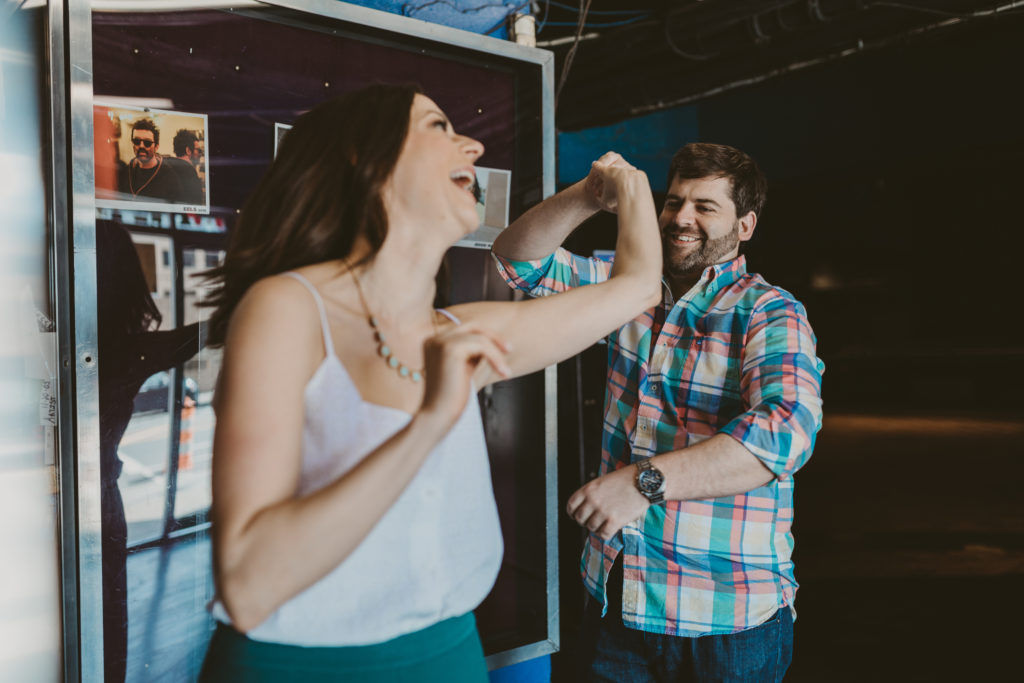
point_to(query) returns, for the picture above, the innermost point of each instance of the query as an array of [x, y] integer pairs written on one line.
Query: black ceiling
[[638, 56]]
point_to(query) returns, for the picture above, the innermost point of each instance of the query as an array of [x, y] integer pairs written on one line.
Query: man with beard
[[713, 401], [147, 176]]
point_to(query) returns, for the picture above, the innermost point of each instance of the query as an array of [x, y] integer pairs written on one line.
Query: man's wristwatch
[[650, 481]]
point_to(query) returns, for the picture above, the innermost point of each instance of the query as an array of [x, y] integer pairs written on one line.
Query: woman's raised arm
[[543, 331]]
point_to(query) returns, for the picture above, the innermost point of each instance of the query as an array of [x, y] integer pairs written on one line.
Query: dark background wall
[[892, 213], [894, 183], [893, 179]]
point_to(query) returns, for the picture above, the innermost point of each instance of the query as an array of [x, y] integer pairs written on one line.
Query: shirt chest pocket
[[706, 372]]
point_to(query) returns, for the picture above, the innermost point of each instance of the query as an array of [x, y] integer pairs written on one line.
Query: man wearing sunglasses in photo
[[147, 176]]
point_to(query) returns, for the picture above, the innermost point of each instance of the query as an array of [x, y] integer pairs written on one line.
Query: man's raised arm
[[542, 229]]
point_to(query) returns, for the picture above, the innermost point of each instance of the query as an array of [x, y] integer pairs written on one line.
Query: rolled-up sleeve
[[558, 272], [781, 387]]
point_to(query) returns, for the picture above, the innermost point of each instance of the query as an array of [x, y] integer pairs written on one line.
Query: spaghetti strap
[[448, 315], [328, 344]]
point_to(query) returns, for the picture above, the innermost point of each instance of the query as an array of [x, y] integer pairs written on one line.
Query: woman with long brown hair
[[354, 521]]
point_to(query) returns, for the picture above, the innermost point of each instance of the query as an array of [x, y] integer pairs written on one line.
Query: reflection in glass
[[195, 450], [168, 566], [131, 350]]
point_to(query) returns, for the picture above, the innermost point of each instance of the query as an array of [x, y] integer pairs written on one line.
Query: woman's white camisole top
[[435, 554]]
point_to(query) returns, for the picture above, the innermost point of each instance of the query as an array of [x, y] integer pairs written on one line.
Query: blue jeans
[[613, 653]]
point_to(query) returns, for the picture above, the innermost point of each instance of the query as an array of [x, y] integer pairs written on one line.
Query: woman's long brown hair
[[322, 192]]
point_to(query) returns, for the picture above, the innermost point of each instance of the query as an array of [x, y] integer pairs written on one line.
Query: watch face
[[650, 481]]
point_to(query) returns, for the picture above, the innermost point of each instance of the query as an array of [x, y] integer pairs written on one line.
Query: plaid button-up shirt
[[733, 356]]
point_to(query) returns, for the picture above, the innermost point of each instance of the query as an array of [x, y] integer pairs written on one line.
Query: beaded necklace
[[383, 349]]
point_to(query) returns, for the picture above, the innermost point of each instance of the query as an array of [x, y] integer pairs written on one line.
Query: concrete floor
[[910, 555], [909, 551], [168, 625]]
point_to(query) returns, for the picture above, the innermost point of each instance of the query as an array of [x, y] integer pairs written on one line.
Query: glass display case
[[174, 114]]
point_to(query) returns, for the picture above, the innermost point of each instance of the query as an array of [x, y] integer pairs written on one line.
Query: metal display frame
[[73, 265], [73, 261]]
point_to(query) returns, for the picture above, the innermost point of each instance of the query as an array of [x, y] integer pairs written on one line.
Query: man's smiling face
[[699, 226]]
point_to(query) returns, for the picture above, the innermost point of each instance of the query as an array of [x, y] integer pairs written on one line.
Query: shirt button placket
[[645, 432]]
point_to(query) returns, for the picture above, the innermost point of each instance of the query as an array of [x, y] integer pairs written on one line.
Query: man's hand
[[608, 503], [598, 192]]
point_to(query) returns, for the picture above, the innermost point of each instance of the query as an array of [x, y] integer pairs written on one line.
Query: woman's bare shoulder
[[275, 310], [274, 340]]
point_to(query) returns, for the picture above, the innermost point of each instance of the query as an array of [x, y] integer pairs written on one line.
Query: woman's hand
[[605, 180], [452, 357]]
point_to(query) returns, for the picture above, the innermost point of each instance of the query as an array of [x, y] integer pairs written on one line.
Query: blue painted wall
[[647, 142], [531, 671]]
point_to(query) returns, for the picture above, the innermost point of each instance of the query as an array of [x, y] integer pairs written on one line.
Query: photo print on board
[[491, 206], [150, 159]]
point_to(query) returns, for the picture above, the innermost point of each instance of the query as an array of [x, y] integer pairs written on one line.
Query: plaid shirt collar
[[712, 279]]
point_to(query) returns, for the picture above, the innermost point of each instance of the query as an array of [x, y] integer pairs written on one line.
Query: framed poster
[[492, 196], [235, 78], [150, 159]]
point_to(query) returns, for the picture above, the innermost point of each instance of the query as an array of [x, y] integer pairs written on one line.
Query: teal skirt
[[447, 652]]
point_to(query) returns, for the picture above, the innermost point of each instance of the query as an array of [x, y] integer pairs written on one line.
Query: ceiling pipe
[[756, 32], [859, 47], [692, 56], [782, 22], [752, 21], [735, 45], [814, 11]]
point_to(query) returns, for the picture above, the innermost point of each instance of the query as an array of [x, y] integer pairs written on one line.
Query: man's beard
[[710, 252]]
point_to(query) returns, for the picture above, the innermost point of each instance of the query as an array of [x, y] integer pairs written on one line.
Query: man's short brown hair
[[703, 160]]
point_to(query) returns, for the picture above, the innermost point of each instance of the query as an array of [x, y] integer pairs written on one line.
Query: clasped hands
[[610, 177], [608, 503]]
